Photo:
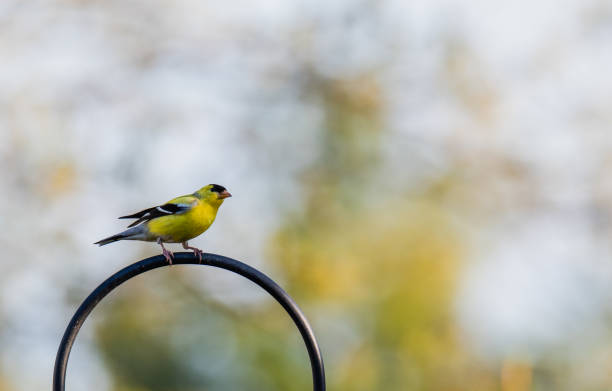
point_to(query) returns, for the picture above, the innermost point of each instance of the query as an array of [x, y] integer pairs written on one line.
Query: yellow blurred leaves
[[516, 376], [364, 362], [393, 269], [58, 179], [352, 255]]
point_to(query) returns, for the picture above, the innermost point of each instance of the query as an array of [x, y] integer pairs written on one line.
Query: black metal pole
[[316, 361]]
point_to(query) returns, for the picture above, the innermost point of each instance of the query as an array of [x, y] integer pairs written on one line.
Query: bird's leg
[[196, 251], [167, 254]]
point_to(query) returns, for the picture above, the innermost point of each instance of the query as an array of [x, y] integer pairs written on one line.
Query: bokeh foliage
[[430, 181]]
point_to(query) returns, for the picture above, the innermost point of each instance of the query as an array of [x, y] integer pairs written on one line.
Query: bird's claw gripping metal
[[196, 251], [168, 255]]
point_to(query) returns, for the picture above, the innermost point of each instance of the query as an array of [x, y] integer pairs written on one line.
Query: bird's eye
[[217, 188]]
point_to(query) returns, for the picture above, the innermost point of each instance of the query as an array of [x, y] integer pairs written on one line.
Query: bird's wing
[[176, 206]]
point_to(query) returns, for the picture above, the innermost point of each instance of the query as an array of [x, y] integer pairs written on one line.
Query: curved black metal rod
[[316, 361]]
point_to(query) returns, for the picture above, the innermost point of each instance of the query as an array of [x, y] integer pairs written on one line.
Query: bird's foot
[[168, 255], [196, 251]]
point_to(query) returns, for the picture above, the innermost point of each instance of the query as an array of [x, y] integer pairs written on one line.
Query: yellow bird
[[177, 221]]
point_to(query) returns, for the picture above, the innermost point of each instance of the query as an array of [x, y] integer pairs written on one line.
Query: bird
[[177, 221]]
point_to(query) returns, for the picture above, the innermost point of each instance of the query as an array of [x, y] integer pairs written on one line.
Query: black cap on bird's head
[[222, 191]]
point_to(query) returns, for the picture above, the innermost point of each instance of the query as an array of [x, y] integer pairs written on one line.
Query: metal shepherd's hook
[[316, 361]]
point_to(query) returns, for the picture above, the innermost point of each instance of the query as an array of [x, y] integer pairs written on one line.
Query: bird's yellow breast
[[182, 227]]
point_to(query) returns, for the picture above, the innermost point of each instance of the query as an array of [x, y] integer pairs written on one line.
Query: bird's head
[[213, 194]]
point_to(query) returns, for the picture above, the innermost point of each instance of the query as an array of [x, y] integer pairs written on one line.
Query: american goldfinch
[[177, 221]]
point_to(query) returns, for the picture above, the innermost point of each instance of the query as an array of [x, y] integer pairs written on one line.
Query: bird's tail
[[110, 239], [134, 233]]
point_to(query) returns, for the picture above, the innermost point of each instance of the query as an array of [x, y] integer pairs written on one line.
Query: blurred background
[[430, 181]]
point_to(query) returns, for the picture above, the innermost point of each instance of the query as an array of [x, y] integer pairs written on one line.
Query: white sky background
[[153, 99]]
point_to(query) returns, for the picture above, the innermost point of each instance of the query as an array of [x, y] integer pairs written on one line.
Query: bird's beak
[[224, 194]]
